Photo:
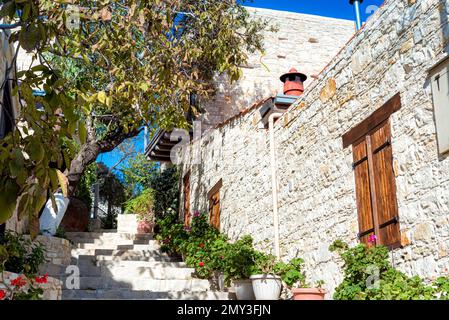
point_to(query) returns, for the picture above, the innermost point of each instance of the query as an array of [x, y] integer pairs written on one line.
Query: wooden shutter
[[214, 205], [187, 215], [385, 184], [362, 184], [376, 187], [214, 209]]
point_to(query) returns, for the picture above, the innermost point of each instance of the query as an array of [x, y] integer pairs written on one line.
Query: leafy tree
[[166, 192], [107, 68], [138, 174]]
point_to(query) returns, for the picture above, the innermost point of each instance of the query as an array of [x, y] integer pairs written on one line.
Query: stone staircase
[[130, 266]]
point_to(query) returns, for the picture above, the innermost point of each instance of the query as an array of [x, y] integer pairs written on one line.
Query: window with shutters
[[214, 205], [186, 193], [439, 77], [374, 177]]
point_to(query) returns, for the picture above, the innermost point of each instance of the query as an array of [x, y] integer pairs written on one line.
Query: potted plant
[[238, 265], [294, 278], [140, 210], [266, 284]]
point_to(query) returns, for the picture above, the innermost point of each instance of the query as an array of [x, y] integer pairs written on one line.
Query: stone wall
[[317, 203], [306, 42], [127, 223], [58, 250]]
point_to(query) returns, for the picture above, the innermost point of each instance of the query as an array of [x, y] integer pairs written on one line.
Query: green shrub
[[239, 259], [142, 205], [19, 254], [368, 275], [292, 273]]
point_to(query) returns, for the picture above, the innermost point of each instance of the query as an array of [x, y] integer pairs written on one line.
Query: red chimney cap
[[293, 72]]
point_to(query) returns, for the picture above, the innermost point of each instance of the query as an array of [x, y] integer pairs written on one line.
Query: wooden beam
[[376, 118]]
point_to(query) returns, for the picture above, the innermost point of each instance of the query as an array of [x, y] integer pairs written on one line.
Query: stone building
[[363, 151], [302, 40]]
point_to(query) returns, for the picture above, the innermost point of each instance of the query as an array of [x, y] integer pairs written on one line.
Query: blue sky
[[329, 8]]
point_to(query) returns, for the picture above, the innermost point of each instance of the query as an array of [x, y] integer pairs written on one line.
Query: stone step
[[123, 273], [113, 242], [141, 283], [110, 254], [108, 236], [139, 264], [112, 246], [124, 294]]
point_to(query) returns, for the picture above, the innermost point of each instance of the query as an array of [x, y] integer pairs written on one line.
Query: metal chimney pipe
[[358, 20]]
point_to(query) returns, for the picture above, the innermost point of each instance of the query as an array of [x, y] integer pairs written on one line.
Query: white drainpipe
[[271, 118]]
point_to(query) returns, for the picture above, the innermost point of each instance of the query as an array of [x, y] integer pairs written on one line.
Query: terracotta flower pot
[[145, 227], [308, 294]]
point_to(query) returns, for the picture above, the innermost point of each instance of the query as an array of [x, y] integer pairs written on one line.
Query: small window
[[214, 205], [375, 181], [186, 193], [440, 91]]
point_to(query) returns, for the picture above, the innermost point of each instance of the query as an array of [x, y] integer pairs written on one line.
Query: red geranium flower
[[201, 245], [201, 264], [2, 294], [18, 282], [42, 279]]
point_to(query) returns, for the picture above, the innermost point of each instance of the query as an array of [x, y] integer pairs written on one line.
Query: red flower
[[201, 264], [18, 282], [2, 294], [201, 245], [42, 279]]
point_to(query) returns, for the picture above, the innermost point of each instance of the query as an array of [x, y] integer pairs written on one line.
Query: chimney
[[293, 82]]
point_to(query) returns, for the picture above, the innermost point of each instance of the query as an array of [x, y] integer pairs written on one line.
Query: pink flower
[[187, 228], [372, 238], [196, 214]]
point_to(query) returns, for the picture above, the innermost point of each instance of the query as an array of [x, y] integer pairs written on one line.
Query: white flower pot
[[244, 289], [266, 286]]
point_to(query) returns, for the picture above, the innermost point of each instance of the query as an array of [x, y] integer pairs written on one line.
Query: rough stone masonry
[[317, 204]]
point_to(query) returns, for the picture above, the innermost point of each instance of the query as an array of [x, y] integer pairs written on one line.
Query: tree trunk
[[89, 153]]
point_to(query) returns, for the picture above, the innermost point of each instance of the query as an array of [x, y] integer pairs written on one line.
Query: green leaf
[[53, 202], [102, 97], [63, 182], [82, 132], [35, 150], [8, 200]]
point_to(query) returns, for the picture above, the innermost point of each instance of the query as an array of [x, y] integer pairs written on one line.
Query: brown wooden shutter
[[376, 187], [362, 183], [215, 210], [214, 205], [385, 184], [187, 214]]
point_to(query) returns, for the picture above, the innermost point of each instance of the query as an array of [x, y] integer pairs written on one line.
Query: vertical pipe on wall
[[358, 19], [274, 185]]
